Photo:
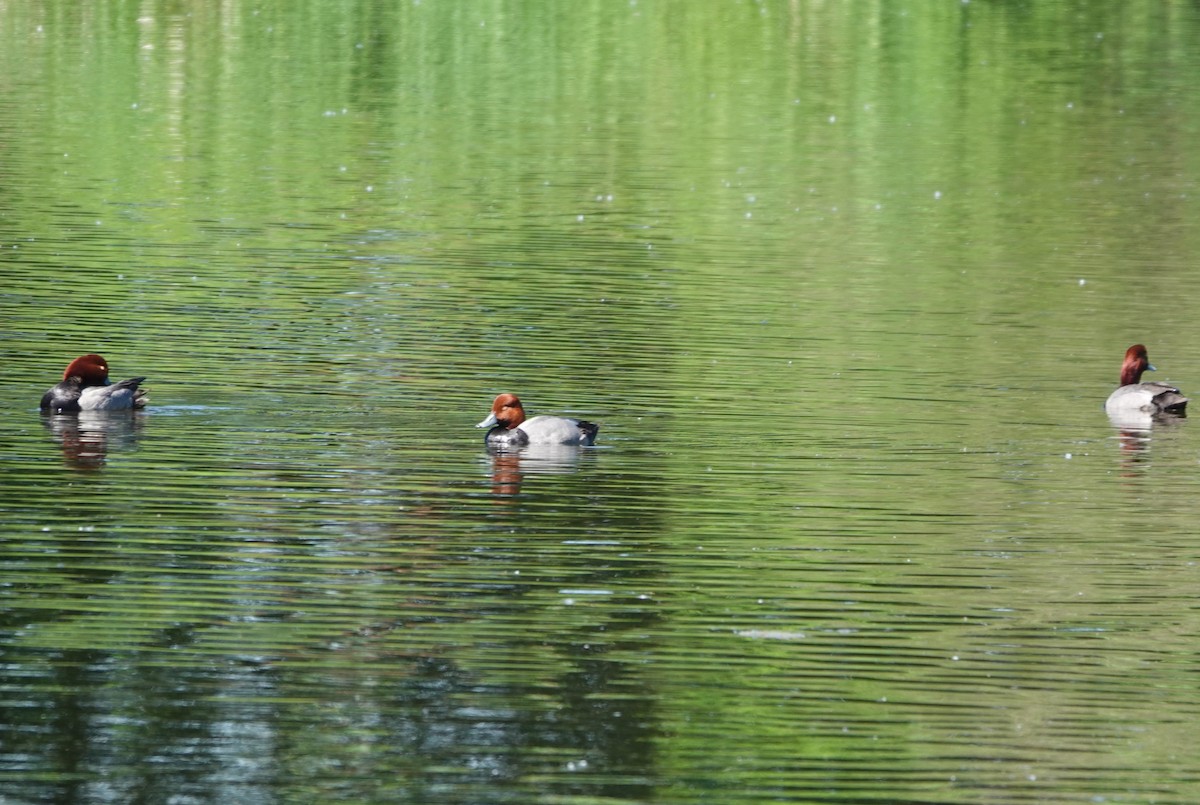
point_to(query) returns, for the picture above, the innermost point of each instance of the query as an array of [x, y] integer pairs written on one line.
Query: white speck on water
[[578, 217], [833, 118], [937, 195], [1082, 281], [749, 215], [1070, 105], [769, 634], [370, 188], [1067, 456]]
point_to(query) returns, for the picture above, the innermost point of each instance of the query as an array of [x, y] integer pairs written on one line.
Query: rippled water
[[844, 287]]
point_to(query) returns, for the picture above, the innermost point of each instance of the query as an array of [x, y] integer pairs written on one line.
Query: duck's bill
[[487, 423]]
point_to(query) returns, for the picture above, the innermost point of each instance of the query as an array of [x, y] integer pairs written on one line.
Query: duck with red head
[[510, 428], [1134, 396], [85, 387]]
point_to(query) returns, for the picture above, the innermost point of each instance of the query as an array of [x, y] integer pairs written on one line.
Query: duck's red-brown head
[[92, 370], [506, 412], [1136, 362]]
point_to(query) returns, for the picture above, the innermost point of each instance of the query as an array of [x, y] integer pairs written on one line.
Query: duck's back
[[1151, 398], [559, 430]]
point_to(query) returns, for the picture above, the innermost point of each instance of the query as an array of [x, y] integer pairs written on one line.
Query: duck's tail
[[1172, 402], [590, 429], [139, 394]]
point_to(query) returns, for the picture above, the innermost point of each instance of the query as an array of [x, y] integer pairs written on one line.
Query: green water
[[844, 284]]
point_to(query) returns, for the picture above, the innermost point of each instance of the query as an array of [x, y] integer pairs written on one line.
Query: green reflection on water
[[844, 285]]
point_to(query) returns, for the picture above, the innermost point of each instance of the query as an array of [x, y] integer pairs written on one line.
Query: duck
[[85, 387], [1147, 398], [510, 428]]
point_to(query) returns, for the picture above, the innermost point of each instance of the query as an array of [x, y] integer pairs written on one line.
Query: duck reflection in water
[[87, 437], [1135, 439], [1136, 408], [510, 467], [522, 446]]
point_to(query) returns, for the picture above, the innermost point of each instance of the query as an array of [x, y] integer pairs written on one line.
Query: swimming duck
[[512, 429], [85, 387], [1134, 395]]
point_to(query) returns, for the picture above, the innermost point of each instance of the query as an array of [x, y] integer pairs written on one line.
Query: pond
[[845, 287]]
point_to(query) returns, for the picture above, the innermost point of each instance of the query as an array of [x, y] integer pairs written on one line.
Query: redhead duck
[[85, 387], [512, 429], [1134, 395]]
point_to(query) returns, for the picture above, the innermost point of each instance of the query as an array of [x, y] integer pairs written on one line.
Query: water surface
[[844, 286]]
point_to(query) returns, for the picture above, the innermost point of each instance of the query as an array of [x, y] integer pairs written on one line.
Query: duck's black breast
[[501, 436], [63, 398]]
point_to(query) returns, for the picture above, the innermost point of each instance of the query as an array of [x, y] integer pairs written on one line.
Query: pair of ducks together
[[85, 387], [1132, 397]]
